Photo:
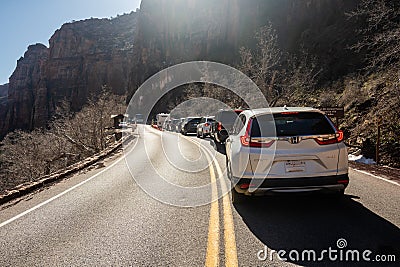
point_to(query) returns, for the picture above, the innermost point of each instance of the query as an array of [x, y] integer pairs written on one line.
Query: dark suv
[[190, 125]]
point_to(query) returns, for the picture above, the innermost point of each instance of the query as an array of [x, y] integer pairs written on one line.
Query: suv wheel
[[236, 197], [337, 195], [220, 147], [228, 169]]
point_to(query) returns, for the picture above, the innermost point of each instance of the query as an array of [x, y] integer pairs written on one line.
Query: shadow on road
[[316, 223], [220, 148]]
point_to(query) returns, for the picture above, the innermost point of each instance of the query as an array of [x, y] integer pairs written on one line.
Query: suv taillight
[[336, 138], [219, 126], [246, 140]]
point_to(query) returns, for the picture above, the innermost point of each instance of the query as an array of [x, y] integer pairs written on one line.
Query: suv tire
[[237, 198]]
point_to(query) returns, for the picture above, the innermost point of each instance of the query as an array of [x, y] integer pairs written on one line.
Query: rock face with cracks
[[82, 57]]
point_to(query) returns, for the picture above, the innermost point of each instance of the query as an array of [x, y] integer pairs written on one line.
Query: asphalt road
[[122, 213]]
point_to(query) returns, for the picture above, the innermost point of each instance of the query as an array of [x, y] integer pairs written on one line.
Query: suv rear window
[[194, 120], [227, 117], [291, 124]]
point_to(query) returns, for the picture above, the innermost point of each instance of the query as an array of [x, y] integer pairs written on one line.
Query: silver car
[[285, 149], [204, 127]]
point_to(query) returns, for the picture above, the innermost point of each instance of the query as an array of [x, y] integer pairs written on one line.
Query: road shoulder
[[388, 173]]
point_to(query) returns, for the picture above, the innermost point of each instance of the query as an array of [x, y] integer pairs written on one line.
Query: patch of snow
[[361, 159]]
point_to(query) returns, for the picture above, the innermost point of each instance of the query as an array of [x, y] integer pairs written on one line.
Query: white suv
[[289, 149], [204, 127]]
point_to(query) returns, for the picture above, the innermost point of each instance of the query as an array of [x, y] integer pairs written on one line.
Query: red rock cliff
[[82, 57]]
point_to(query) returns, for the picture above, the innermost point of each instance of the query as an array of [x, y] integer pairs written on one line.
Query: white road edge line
[[376, 176], [62, 193]]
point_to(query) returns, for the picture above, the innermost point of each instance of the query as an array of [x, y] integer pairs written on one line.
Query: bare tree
[[262, 64], [379, 31], [87, 129], [279, 76], [300, 76], [26, 156], [193, 90]]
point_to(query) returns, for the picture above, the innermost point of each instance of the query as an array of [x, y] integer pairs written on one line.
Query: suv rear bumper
[[288, 185], [190, 129]]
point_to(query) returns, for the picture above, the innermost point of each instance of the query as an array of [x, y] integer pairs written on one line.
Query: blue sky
[[25, 22]]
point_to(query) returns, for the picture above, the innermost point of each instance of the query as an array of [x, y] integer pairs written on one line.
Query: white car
[[204, 127], [289, 149]]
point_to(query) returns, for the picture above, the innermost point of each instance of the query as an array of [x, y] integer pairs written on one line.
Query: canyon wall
[[123, 52]]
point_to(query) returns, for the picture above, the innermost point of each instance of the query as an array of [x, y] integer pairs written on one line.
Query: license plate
[[295, 166]]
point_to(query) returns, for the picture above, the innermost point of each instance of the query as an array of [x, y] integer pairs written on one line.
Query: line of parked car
[[216, 127], [275, 150]]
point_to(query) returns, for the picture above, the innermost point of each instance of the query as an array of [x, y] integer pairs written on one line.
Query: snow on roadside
[[361, 159]]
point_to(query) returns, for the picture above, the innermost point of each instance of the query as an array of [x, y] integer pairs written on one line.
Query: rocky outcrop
[[4, 90], [86, 55], [82, 57], [3, 104], [24, 89], [3, 93]]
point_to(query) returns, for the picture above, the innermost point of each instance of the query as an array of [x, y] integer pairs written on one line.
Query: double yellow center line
[[212, 255]]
